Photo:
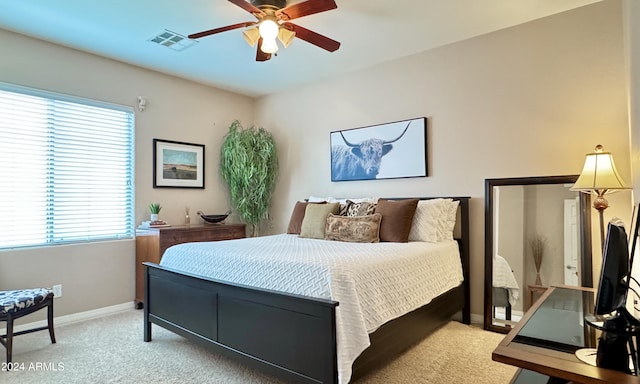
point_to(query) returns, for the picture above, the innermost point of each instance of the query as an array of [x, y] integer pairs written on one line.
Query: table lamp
[[599, 176]]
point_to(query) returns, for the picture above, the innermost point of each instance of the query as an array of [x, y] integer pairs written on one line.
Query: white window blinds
[[66, 169]]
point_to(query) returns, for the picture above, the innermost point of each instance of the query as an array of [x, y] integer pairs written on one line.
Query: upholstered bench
[[18, 303], [500, 298]]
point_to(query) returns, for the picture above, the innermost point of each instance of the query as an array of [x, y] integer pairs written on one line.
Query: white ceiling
[[371, 32]]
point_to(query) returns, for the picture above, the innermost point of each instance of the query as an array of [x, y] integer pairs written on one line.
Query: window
[[66, 169]]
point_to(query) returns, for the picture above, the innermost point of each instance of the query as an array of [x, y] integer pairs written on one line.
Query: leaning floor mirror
[[537, 235]]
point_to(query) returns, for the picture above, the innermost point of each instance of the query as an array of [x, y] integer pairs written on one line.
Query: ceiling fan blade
[[247, 7], [221, 29], [305, 8], [261, 56], [313, 37]]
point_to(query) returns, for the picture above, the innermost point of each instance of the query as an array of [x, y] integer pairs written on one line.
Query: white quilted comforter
[[373, 283]]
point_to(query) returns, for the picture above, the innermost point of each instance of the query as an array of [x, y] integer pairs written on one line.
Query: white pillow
[[448, 220], [364, 200], [315, 199], [428, 220]]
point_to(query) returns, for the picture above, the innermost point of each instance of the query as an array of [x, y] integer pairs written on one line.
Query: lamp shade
[[286, 36], [599, 174], [251, 35]]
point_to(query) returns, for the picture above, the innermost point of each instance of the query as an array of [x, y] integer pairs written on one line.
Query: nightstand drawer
[[205, 233]]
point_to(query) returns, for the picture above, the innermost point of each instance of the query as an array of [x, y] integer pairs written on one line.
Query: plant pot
[[153, 217]]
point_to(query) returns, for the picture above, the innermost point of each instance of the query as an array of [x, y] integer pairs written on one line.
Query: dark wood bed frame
[[289, 336]]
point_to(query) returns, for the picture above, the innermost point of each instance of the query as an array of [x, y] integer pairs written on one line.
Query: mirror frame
[[584, 233]]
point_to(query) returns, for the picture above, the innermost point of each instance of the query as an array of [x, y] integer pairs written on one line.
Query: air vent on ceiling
[[172, 40]]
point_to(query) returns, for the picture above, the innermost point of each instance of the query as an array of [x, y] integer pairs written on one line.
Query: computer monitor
[[613, 285], [616, 349]]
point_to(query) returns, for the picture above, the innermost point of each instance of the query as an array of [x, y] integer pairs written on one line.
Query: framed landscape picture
[[177, 164], [386, 151]]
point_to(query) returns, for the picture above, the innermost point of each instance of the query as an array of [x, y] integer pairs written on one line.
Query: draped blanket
[[503, 277]]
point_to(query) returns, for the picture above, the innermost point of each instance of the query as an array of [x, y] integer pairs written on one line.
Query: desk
[[545, 339]]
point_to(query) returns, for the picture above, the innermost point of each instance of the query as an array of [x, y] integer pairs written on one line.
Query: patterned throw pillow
[[357, 229], [360, 209]]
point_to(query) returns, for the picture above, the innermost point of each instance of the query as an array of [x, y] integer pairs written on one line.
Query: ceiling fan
[[273, 23]]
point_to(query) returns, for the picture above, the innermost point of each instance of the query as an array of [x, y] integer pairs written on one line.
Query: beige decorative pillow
[[397, 216], [356, 229], [315, 218], [295, 222]]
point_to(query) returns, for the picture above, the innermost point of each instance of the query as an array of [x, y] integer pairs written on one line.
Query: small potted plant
[[154, 208]]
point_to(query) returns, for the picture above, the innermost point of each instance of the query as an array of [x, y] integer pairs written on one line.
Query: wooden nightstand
[[535, 289], [151, 244]]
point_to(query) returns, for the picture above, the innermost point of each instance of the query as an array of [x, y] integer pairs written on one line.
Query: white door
[[571, 242]]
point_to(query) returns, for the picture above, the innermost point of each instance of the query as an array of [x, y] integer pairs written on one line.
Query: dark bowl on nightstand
[[213, 219]]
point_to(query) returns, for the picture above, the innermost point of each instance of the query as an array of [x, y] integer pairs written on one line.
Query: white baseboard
[[477, 319], [75, 317]]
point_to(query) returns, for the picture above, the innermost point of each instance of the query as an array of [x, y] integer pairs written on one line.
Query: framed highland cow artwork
[[386, 151], [177, 164]]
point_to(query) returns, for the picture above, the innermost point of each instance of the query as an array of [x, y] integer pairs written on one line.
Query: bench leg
[[50, 321], [9, 340]]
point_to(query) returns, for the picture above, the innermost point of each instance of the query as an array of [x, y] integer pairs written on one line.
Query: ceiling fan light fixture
[[251, 36], [268, 29], [273, 24], [269, 46], [285, 36]]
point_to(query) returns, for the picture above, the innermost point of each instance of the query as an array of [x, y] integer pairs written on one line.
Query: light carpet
[[110, 350]]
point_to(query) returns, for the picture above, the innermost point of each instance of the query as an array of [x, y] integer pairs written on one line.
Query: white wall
[[100, 275], [530, 100], [632, 69]]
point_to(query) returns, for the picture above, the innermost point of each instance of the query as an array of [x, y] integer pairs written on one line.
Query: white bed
[[373, 283]]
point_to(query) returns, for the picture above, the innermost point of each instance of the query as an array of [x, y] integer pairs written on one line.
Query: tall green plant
[[249, 165]]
